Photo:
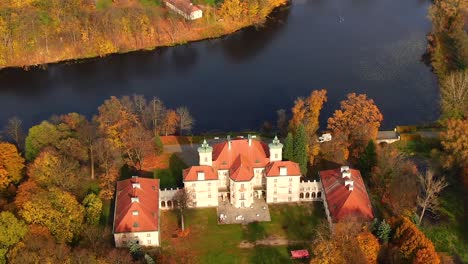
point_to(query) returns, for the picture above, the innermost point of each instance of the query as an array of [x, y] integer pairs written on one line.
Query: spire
[[205, 147], [276, 143]]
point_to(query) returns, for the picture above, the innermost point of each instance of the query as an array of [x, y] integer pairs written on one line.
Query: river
[[239, 81]]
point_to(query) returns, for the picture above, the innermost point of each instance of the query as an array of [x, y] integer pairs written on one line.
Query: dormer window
[[135, 224], [135, 212], [135, 199]]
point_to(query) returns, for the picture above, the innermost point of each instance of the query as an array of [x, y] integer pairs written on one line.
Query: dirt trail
[[271, 241]]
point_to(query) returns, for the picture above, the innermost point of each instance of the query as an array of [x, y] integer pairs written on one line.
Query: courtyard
[[228, 214], [209, 242]]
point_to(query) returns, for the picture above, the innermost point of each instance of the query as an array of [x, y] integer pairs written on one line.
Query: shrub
[[410, 137], [406, 129]]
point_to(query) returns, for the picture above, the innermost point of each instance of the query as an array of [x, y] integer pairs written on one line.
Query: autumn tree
[[93, 207], [430, 188], [410, 240], [232, 9], [394, 180], [137, 145], [12, 230], [157, 112], [369, 246], [306, 111], [170, 122], [454, 95], [455, 142], [282, 122], [87, 133], [109, 160], [11, 165], [355, 123], [57, 210], [186, 121], [14, 131]]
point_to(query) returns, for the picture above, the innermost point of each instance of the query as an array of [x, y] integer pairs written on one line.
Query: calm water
[[239, 81]]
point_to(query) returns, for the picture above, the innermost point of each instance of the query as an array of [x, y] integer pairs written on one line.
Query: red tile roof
[[147, 206], [191, 174], [343, 202], [254, 156], [273, 169]]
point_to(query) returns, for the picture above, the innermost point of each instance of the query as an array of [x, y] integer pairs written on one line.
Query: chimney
[[135, 199], [349, 184], [344, 168], [229, 142], [283, 171], [201, 175], [136, 185], [250, 140]]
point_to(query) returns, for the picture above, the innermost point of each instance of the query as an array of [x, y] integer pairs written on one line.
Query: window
[[242, 186], [209, 195], [135, 212], [148, 234], [209, 184], [276, 180], [124, 236], [135, 224], [274, 199], [194, 195], [242, 196], [290, 191], [289, 199], [194, 184], [275, 192], [149, 242], [290, 179], [206, 159], [276, 155]]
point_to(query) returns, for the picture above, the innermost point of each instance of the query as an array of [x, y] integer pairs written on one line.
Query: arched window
[[301, 195], [307, 195], [313, 195], [169, 203], [163, 204], [319, 194]]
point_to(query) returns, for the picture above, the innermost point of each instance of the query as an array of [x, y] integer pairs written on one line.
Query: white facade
[[189, 15], [241, 193], [203, 193], [150, 239], [282, 189]]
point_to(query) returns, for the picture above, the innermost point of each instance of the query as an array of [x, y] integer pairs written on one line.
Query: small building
[[185, 8], [136, 213], [387, 136], [282, 182], [345, 195]]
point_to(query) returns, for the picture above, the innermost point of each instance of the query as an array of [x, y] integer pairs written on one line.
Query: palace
[[240, 171]]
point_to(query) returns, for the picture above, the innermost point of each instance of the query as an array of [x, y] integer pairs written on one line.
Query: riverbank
[[33, 36]]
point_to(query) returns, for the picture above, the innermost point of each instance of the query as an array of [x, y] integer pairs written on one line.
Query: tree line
[[54, 197], [35, 32]]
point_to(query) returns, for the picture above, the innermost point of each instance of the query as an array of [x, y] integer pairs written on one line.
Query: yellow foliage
[[11, 165], [369, 246]]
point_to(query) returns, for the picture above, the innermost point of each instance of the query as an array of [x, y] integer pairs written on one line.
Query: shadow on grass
[[270, 255], [172, 176]]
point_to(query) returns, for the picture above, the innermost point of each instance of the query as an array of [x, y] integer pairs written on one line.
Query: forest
[[34, 32]]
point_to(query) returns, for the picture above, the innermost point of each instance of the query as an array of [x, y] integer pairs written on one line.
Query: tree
[[454, 95], [289, 147], [51, 169], [356, 123], [57, 210], [394, 180], [14, 131], [300, 148], [40, 136], [12, 230], [109, 160], [410, 240], [455, 142], [282, 122], [170, 122], [232, 9], [137, 145], [368, 159], [87, 132], [11, 165], [383, 231], [184, 201], [93, 207], [369, 246], [431, 187], [186, 121], [157, 115]]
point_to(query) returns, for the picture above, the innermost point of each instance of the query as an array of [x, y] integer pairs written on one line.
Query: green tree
[[383, 231], [40, 136], [300, 148], [93, 207], [368, 160], [289, 147], [12, 230]]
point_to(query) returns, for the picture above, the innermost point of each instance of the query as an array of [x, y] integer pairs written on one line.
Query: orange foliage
[[355, 123], [455, 142], [107, 183], [25, 192], [413, 244], [11, 165], [369, 246], [170, 122]]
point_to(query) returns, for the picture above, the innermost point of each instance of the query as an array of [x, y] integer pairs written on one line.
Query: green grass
[[103, 4], [150, 2], [172, 176], [106, 213], [215, 243], [420, 147]]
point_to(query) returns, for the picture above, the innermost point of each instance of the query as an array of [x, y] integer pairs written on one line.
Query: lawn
[[209, 242]]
